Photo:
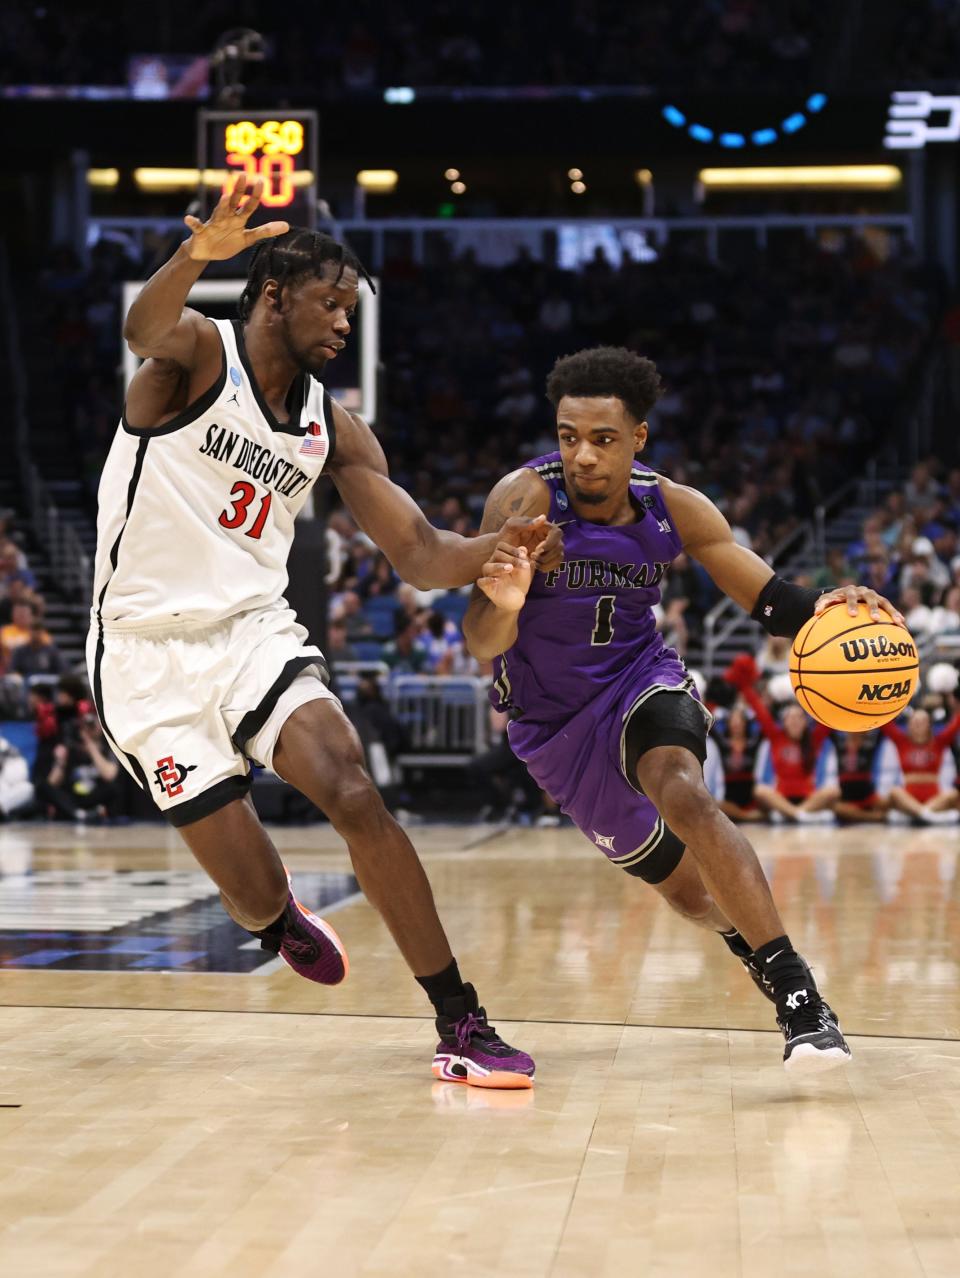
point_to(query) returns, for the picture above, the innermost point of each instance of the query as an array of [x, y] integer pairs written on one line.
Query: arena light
[[451, 174], [574, 174], [643, 177], [763, 135], [578, 188], [103, 177], [884, 177], [458, 188], [378, 181], [153, 179]]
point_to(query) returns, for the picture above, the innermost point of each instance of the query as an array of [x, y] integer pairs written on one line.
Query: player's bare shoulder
[[694, 515], [521, 492]]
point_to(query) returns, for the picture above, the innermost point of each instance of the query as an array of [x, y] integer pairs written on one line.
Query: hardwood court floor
[[173, 1120]]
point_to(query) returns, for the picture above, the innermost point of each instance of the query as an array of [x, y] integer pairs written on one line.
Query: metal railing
[[444, 716], [496, 241], [726, 618], [70, 565]]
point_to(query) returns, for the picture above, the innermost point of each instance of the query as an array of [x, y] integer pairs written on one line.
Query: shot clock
[[280, 147]]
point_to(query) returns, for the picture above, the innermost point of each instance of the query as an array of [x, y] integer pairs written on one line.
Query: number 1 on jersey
[[243, 494], [603, 624]]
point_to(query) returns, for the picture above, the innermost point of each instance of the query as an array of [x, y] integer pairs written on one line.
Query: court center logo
[[169, 776]]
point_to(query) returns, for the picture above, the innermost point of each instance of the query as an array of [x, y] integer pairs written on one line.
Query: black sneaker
[[812, 1035], [755, 972]]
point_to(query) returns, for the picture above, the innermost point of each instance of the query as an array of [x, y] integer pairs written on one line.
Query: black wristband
[[782, 607]]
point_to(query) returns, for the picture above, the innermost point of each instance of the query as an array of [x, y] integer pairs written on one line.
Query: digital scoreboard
[[280, 147]]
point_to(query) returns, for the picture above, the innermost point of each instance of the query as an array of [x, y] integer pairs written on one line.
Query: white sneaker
[[896, 817], [948, 817], [822, 817]]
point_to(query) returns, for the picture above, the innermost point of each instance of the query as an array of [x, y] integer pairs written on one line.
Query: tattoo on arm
[[500, 509]]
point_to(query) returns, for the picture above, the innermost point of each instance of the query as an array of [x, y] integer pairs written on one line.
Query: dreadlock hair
[[607, 370], [292, 255]]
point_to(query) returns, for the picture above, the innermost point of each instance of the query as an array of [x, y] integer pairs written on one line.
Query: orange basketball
[[853, 673]]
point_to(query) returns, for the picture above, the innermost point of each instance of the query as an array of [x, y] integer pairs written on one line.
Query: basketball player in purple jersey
[[606, 718], [198, 665]]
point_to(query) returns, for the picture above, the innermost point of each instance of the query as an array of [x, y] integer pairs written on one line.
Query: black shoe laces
[[809, 1018]]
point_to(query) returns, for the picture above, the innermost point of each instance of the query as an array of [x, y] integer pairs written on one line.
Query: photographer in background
[[82, 784]]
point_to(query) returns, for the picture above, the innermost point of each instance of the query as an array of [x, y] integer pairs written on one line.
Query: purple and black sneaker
[[471, 1051], [307, 943]]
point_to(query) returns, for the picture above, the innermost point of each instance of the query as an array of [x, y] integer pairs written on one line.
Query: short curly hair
[[607, 370]]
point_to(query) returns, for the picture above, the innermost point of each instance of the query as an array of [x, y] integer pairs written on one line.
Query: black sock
[[442, 985], [785, 970], [736, 943]]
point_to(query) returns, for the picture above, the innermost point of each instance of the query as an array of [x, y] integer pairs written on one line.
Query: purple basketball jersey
[[588, 625]]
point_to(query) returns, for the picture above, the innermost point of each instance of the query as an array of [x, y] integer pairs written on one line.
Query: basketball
[[853, 673]]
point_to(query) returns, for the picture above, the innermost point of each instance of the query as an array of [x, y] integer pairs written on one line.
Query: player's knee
[[354, 805], [692, 900], [686, 805], [262, 895]]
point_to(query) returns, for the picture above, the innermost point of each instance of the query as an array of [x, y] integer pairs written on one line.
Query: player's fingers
[[851, 594], [236, 192], [508, 553], [493, 569], [252, 202], [892, 610], [831, 597], [194, 223], [266, 231]]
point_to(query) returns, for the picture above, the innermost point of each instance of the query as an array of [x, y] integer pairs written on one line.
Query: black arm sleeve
[[782, 607]]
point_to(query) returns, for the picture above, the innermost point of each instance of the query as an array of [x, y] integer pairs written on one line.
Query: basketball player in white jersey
[[197, 663]]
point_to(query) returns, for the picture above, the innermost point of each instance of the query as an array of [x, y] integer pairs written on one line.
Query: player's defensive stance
[[606, 717], [198, 666]]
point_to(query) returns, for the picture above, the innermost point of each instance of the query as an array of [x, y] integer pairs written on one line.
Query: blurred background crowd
[[809, 369], [709, 44]]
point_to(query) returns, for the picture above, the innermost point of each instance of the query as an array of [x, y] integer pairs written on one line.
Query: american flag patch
[[314, 445]]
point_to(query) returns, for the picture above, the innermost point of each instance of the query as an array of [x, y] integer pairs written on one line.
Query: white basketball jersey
[[196, 517]]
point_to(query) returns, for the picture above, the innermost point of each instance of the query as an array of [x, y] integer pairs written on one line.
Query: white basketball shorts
[[186, 709]]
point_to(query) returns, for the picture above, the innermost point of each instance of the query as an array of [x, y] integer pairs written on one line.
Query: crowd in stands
[[69, 771], [776, 389], [27, 652], [768, 760], [772, 760], [782, 372], [368, 46]]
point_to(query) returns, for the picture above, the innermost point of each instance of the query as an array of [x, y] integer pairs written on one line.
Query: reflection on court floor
[[93, 920]]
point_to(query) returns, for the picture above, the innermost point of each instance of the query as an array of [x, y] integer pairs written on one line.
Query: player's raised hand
[[506, 578], [543, 541], [225, 233]]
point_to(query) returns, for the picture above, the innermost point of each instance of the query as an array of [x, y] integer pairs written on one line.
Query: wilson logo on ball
[[881, 646], [885, 691]]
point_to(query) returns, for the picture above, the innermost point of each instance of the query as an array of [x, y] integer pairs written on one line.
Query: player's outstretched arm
[[159, 325], [425, 556], [492, 617], [780, 607]]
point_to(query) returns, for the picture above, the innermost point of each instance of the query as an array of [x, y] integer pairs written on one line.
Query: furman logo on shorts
[[169, 776]]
